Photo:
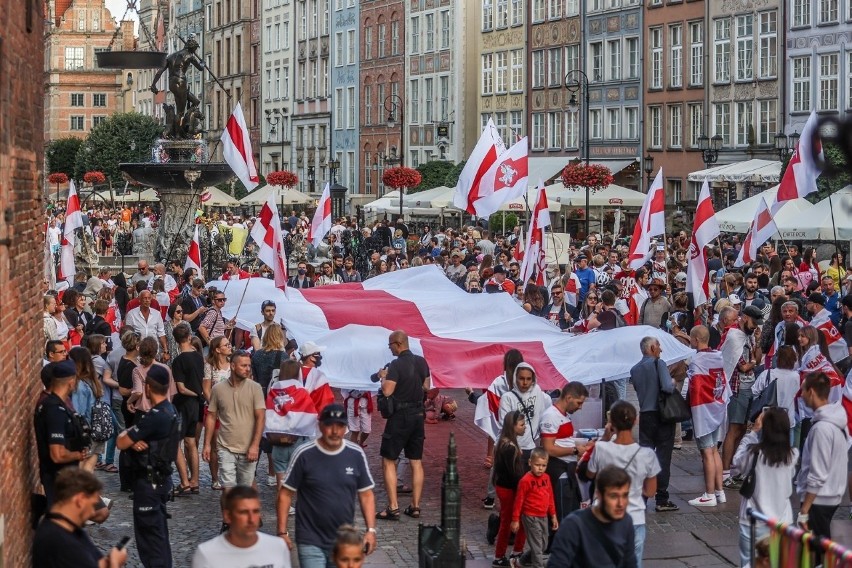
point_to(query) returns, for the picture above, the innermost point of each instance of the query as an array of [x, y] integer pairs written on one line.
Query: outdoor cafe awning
[[755, 171]]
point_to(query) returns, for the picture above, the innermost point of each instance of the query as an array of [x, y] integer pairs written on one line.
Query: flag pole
[[833, 226]]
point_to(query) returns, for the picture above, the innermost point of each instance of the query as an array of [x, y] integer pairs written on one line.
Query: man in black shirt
[[60, 541], [188, 371], [405, 379], [194, 307]]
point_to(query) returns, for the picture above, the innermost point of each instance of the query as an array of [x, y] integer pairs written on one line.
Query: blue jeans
[[761, 531], [311, 556], [639, 543], [118, 425]]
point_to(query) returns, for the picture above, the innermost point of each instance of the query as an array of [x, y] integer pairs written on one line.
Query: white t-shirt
[[558, 427], [268, 552], [643, 466]]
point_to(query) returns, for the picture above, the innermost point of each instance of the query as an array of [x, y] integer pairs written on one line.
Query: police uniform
[[53, 425], [159, 428]]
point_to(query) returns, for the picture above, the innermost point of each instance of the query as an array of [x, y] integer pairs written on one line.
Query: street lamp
[[576, 81], [311, 179], [337, 191], [273, 118], [393, 104], [393, 159], [709, 148], [333, 166], [648, 166], [784, 145]]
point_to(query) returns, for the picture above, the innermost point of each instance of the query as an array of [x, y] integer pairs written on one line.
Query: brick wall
[[21, 235]]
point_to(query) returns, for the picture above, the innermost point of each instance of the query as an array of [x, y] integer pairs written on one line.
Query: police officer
[[153, 442]]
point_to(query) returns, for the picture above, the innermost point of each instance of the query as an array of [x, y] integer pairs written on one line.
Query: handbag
[[385, 404], [673, 408], [750, 479], [767, 397]]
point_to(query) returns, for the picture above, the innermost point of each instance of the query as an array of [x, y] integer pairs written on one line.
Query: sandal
[[195, 490], [109, 468], [413, 512], [99, 465], [403, 489], [388, 514], [182, 491], [216, 486]]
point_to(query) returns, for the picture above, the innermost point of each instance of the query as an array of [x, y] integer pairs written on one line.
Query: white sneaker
[[292, 510], [704, 501], [271, 480], [720, 497]]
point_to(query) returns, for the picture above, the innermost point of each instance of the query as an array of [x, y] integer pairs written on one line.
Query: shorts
[[281, 455], [361, 423], [710, 440], [188, 411], [235, 469], [739, 405], [404, 430]]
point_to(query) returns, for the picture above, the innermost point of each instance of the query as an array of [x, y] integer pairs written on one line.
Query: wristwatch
[[372, 530]]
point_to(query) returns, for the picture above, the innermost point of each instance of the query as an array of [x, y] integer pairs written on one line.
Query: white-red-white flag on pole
[[802, 170], [73, 220], [267, 234], [761, 230], [321, 223], [484, 155], [534, 262], [236, 148], [705, 228], [505, 180], [651, 222], [193, 254]]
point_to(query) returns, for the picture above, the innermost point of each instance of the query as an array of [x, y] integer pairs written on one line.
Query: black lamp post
[[709, 148], [311, 179], [784, 145], [648, 166], [337, 191], [393, 104], [274, 117], [577, 81]]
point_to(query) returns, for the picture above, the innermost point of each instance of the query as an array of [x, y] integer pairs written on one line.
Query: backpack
[[102, 426]]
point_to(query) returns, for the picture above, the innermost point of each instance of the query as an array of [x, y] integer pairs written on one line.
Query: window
[[745, 125], [517, 12], [827, 11], [538, 68], [538, 131], [554, 130], [339, 47], [745, 47], [696, 118], [77, 99], [572, 129], [517, 83], [351, 47], [554, 9], [430, 32], [350, 107], [516, 122], [722, 122], [554, 67], [303, 82], [768, 123], [613, 49], [801, 83], [487, 74], [500, 74], [487, 15], [285, 72], [676, 190], [445, 96], [368, 173], [767, 65], [81, 22], [502, 14], [613, 123], [675, 126], [801, 13], [596, 50], [368, 104], [394, 38], [269, 38], [828, 82], [572, 57], [538, 10], [96, 25], [96, 120], [73, 58], [595, 124], [415, 34], [696, 53], [722, 50], [445, 29], [429, 99], [572, 8], [631, 123], [632, 57], [655, 123], [676, 55], [368, 42], [77, 122], [656, 58], [338, 108], [382, 39]]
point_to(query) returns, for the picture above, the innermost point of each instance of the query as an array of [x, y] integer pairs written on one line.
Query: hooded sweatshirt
[[823, 469], [531, 403]]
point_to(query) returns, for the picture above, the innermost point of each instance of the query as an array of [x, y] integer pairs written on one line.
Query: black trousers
[[149, 524], [655, 434]]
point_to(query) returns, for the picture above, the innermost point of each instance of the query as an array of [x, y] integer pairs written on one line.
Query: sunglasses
[[220, 299]]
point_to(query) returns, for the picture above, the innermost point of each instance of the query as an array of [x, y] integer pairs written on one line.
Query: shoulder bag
[[750, 479], [672, 406], [767, 397]]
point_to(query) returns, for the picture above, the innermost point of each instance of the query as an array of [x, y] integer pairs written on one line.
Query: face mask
[[669, 325], [302, 271], [317, 360]]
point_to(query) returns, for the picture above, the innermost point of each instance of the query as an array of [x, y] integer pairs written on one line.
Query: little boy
[[533, 505], [359, 410]]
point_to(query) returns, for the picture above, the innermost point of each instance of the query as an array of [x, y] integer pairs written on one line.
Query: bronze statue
[[178, 64]]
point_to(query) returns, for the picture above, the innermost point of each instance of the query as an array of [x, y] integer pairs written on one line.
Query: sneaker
[[524, 559], [501, 563], [703, 501], [292, 510], [720, 497], [733, 483], [271, 480], [678, 446], [666, 507], [488, 503]]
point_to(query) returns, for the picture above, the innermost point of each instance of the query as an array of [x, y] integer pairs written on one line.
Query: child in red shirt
[[533, 505]]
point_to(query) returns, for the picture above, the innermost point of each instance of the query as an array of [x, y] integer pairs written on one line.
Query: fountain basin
[[170, 175], [131, 59]]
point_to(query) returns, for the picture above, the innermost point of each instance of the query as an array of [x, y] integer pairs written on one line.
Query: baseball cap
[[311, 348], [158, 374], [734, 299], [581, 257], [817, 298], [499, 269], [62, 369], [680, 277], [754, 313], [333, 414]]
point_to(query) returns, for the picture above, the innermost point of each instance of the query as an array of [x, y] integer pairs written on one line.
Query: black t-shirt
[[408, 371], [188, 368], [190, 304], [55, 547], [847, 332], [53, 425], [124, 373]]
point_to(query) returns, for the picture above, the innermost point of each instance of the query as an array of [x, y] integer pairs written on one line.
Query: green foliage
[[434, 175], [238, 188], [828, 184], [452, 178], [495, 222], [122, 137], [62, 154]]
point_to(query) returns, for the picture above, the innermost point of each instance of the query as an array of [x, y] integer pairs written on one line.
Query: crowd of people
[[148, 365]]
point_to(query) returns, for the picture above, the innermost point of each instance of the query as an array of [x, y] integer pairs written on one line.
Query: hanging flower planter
[[57, 178], [577, 214], [593, 176], [94, 177], [402, 176], [284, 178]]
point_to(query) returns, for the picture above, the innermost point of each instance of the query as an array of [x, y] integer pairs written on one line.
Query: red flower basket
[[593, 176], [57, 178], [284, 178], [94, 177], [397, 178]]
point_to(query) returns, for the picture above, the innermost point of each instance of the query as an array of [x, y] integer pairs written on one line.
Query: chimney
[[128, 41]]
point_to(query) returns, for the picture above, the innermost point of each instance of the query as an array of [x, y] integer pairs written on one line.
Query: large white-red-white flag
[[236, 148], [708, 392], [484, 155], [803, 168], [761, 230], [73, 221], [651, 223], [505, 180], [838, 350], [487, 414], [321, 223], [270, 240], [534, 262], [290, 410], [705, 228], [193, 254]]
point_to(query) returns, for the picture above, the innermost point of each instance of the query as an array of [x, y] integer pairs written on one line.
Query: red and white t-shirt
[[558, 427]]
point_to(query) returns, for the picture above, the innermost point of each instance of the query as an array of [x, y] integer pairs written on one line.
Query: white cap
[[311, 348], [734, 299]]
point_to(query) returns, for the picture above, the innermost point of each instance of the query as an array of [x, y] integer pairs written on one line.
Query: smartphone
[[122, 543]]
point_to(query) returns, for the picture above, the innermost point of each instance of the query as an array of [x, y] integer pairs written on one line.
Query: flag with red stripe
[[267, 233], [814, 361], [487, 415], [73, 221], [290, 410], [193, 254], [321, 223], [506, 180], [708, 392], [534, 262], [705, 228], [761, 230], [236, 149], [803, 169], [484, 155], [651, 223], [837, 348]]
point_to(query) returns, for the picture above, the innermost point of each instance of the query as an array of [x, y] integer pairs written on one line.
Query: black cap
[[499, 269], [817, 298], [63, 369], [754, 313], [581, 257], [333, 414], [158, 374]]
